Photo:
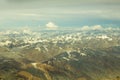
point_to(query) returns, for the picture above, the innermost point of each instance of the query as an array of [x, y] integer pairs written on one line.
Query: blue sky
[[61, 13]]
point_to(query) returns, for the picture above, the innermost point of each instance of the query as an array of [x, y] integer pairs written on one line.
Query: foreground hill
[[88, 65]]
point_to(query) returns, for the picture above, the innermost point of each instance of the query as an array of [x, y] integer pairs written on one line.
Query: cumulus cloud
[[85, 28], [51, 25], [95, 27]]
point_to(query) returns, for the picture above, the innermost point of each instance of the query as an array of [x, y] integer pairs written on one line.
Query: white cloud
[[95, 27], [51, 25], [85, 28]]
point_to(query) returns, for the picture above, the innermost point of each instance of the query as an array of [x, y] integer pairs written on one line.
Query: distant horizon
[[83, 28]]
